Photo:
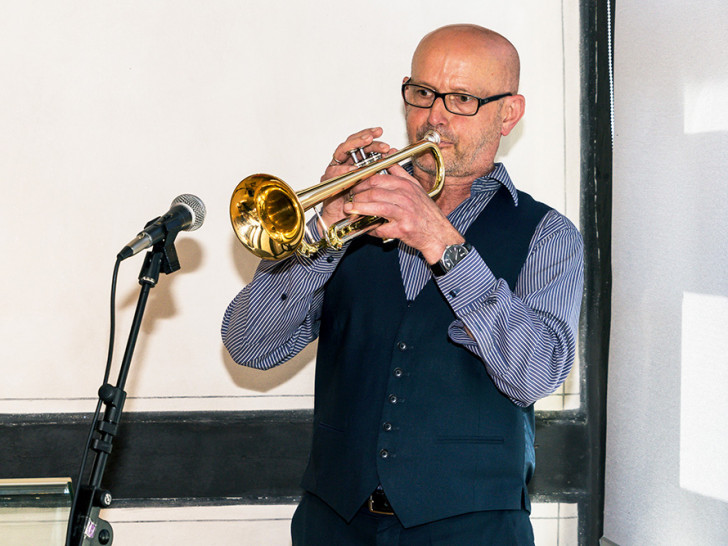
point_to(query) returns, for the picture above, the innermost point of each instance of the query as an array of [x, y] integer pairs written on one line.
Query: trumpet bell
[[267, 216]]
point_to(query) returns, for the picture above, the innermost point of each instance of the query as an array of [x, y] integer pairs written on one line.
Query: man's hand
[[413, 217], [342, 163]]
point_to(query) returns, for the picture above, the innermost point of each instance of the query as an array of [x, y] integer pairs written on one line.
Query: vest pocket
[[490, 440], [331, 428]]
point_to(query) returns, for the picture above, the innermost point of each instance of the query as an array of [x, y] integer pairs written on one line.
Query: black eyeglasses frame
[[437, 95]]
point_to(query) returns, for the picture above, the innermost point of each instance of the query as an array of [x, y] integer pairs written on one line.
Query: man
[[432, 350]]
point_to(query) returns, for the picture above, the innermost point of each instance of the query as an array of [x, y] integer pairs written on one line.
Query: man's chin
[[424, 164]]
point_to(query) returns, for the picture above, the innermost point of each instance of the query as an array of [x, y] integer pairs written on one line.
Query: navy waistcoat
[[399, 404]]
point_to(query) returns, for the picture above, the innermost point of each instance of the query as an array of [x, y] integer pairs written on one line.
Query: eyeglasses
[[461, 104]]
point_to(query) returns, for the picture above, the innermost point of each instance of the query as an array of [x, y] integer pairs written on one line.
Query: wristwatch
[[450, 258]]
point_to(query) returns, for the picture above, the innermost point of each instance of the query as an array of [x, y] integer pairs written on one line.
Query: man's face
[[469, 143]]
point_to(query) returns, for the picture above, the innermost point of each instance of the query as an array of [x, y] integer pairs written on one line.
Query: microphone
[[186, 213]]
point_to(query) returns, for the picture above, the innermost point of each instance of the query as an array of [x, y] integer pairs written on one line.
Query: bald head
[[500, 63]]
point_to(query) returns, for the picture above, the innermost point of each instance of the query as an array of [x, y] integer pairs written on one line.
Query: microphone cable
[[97, 412]]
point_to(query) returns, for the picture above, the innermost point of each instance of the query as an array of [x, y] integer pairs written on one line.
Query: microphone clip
[[162, 258]]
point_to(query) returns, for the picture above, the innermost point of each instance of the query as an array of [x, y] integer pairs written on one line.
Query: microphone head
[[196, 206]]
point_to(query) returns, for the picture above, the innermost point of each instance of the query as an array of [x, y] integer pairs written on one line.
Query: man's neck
[[455, 189]]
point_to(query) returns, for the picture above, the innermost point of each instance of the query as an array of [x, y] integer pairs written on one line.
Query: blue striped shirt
[[526, 338]]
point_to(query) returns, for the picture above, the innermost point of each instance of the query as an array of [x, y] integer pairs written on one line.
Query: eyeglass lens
[[457, 103]]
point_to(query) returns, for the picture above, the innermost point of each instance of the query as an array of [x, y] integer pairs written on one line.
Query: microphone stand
[[86, 528]]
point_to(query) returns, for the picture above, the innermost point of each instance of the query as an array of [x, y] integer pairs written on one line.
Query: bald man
[[432, 349]]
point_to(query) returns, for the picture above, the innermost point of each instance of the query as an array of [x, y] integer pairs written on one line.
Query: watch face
[[452, 255], [448, 258]]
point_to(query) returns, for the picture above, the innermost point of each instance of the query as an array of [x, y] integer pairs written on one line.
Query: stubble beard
[[459, 163]]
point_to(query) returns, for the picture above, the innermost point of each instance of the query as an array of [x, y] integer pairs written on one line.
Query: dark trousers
[[316, 524]]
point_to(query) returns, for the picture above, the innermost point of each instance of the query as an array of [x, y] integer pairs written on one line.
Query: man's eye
[[462, 99], [423, 93]]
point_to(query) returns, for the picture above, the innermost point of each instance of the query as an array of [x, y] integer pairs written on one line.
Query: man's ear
[[513, 111]]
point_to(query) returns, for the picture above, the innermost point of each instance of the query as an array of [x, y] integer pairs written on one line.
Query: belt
[[378, 503]]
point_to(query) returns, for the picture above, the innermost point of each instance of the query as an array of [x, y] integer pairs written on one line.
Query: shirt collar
[[487, 182]]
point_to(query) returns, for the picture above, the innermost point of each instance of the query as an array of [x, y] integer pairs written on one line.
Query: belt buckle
[[380, 505]]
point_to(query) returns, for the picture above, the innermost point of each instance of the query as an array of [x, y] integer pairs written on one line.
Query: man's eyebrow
[[461, 90]]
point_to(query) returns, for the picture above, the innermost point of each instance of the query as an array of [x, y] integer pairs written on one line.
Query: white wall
[[110, 109], [667, 443]]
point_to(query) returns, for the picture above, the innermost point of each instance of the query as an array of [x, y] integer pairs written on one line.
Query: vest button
[[402, 346], [398, 372], [392, 398], [387, 427], [384, 454]]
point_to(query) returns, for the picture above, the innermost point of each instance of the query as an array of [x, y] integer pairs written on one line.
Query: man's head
[[471, 60]]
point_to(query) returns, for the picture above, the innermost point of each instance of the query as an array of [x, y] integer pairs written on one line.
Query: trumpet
[[268, 216]]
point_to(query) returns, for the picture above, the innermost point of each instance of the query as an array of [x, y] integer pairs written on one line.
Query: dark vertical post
[[596, 218]]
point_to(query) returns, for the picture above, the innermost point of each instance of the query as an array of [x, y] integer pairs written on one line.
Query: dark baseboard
[[217, 458]]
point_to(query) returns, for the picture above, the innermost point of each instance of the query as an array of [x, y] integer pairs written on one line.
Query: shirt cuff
[[470, 281]]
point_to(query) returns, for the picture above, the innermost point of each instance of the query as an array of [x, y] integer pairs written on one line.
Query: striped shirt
[[526, 338]]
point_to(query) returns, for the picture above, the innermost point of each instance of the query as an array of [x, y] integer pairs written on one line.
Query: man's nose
[[438, 113]]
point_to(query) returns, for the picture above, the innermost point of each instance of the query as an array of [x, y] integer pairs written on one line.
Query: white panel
[[705, 105], [246, 525], [703, 404]]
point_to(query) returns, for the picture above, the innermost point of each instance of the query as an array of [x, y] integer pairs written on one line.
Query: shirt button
[[398, 372], [402, 346], [330, 259], [387, 427], [392, 398], [384, 454]]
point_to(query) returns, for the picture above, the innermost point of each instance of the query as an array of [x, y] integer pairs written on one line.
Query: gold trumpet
[[268, 216]]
